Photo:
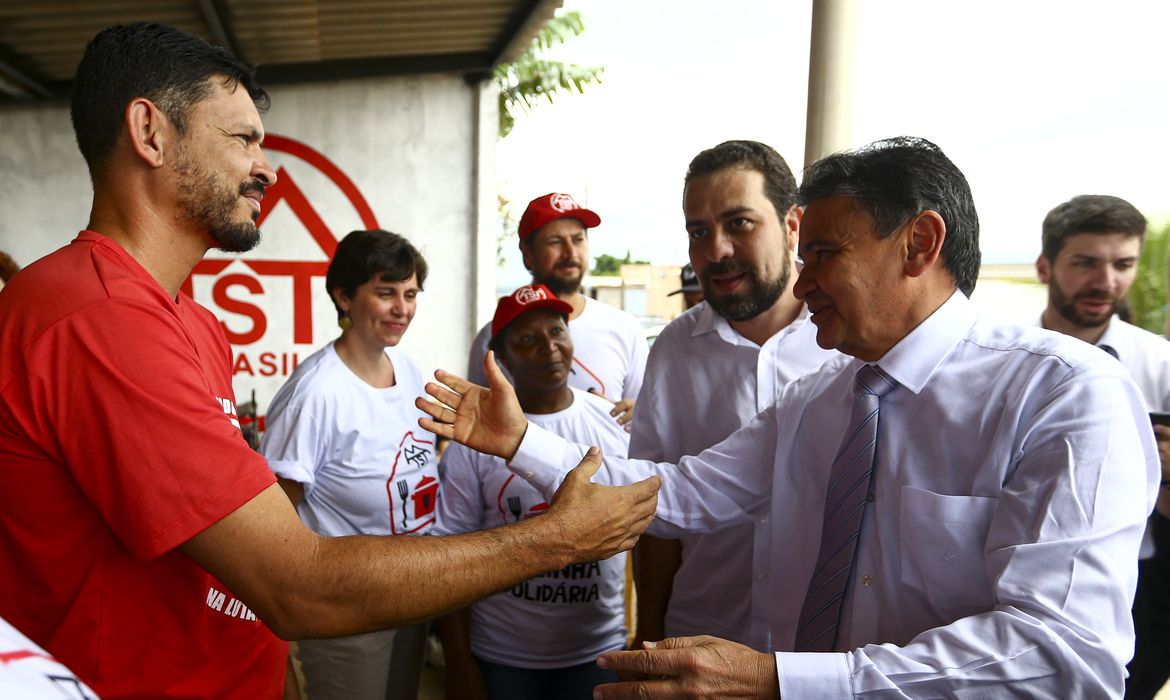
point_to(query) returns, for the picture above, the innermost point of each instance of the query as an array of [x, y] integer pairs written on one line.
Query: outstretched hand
[[692, 667], [487, 420], [599, 521]]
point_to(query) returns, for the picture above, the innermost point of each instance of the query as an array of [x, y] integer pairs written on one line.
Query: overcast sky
[[1035, 100]]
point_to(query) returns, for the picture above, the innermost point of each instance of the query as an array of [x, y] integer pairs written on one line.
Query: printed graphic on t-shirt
[[576, 583], [229, 605], [229, 410], [27, 671], [412, 498], [519, 502]]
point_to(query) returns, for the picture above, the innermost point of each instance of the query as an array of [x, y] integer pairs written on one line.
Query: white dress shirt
[[703, 382], [1146, 357], [609, 352], [999, 557]]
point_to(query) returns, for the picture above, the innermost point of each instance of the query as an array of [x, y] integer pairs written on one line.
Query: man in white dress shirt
[[610, 347], [1000, 528], [710, 372], [1091, 245]]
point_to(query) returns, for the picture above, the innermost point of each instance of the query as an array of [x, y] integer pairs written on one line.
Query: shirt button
[[528, 475], [869, 497], [866, 580]]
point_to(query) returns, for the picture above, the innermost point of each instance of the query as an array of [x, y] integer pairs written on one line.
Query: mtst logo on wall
[[272, 301]]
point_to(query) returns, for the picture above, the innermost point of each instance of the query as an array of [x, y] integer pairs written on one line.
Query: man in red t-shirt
[[143, 543]]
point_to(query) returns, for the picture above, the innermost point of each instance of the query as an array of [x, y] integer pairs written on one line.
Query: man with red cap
[[611, 351]]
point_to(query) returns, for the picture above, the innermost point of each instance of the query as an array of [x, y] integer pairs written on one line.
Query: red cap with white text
[[523, 300], [551, 207]]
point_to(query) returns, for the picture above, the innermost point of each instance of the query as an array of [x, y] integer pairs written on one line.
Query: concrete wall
[[419, 151]]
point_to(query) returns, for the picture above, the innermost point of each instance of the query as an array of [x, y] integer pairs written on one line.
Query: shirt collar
[[916, 357], [1112, 337], [711, 322]]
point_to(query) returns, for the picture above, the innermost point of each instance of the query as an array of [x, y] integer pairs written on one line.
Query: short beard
[[761, 296], [1067, 308], [560, 286], [208, 203]]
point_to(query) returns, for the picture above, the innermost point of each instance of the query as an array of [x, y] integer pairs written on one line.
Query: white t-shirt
[[704, 381], [609, 352], [366, 465], [28, 672], [562, 618]]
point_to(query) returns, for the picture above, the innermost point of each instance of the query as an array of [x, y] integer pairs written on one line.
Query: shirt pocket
[[943, 540]]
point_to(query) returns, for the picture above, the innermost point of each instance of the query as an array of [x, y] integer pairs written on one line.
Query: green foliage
[[1147, 296], [609, 266], [530, 77]]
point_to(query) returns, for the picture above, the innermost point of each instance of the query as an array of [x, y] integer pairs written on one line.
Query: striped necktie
[[845, 499]]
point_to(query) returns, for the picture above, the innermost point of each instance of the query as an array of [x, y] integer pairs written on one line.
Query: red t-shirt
[[118, 442]]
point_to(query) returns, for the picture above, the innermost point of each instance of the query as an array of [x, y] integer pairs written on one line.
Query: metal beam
[[520, 29], [215, 14], [474, 62]]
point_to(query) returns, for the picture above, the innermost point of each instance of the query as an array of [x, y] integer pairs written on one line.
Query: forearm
[[367, 583], [307, 586], [655, 563], [454, 632], [703, 493]]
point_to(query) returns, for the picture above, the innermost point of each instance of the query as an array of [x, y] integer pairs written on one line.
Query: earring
[[345, 323]]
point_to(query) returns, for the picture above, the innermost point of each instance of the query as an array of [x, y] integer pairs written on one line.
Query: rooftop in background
[[292, 41]]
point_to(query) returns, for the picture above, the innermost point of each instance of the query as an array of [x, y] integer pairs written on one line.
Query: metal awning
[[291, 40]]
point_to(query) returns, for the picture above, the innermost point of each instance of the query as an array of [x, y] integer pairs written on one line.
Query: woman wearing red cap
[[344, 441]]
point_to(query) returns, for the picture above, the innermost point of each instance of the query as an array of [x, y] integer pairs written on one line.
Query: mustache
[[1094, 296], [723, 267], [252, 186]]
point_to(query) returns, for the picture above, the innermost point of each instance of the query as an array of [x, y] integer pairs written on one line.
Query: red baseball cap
[[525, 299], [551, 207]]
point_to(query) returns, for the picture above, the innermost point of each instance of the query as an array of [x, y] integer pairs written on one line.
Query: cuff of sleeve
[[809, 675], [540, 460]]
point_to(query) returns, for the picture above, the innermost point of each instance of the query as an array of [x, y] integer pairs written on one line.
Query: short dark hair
[[363, 255], [1089, 213], [896, 179], [167, 66], [779, 182]]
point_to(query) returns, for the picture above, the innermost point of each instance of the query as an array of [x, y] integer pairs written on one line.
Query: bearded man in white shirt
[[610, 347], [1091, 245], [1001, 503], [710, 372]]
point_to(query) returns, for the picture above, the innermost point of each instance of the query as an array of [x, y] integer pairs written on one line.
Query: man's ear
[[149, 131], [526, 254], [924, 241], [1043, 269], [792, 221]]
